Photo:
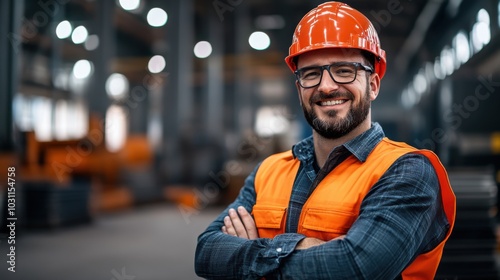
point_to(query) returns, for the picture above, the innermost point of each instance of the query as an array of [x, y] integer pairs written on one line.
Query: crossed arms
[[400, 218], [241, 224]]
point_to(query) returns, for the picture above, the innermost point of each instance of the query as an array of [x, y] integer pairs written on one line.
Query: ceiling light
[[259, 40], [461, 47], [202, 49], [82, 69], [63, 29], [130, 5], [91, 43], [157, 17], [117, 86], [79, 34], [156, 64]]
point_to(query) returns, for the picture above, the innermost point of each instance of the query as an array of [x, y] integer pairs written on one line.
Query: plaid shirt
[[400, 218]]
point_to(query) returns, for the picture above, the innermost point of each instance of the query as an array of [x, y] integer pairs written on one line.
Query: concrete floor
[[147, 243]]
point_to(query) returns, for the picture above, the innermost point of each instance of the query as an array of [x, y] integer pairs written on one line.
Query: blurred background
[[126, 126]]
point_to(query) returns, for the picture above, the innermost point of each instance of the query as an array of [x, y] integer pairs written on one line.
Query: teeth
[[332, 102]]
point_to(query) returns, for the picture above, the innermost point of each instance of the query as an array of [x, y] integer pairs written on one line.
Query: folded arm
[[400, 218], [221, 254]]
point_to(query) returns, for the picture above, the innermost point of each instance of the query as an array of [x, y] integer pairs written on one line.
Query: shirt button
[[279, 250]]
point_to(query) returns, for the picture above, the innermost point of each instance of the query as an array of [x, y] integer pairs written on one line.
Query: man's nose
[[327, 83]]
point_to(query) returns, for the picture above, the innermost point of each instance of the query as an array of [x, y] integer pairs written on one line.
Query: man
[[346, 203]]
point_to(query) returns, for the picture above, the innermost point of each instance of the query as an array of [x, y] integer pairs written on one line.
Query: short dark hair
[[369, 58]]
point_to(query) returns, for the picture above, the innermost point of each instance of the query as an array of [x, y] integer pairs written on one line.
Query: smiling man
[[346, 203]]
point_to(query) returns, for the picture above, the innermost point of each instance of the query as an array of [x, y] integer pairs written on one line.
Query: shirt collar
[[360, 147]]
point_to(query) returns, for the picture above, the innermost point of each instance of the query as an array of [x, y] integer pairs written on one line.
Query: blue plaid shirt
[[400, 218]]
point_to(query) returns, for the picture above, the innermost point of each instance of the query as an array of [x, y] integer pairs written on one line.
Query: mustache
[[338, 94]]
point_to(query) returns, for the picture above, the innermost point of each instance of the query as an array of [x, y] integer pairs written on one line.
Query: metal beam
[[215, 102], [177, 92], [97, 98], [417, 35], [10, 20]]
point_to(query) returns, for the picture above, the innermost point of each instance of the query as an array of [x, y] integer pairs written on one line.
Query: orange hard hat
[[336, 25]]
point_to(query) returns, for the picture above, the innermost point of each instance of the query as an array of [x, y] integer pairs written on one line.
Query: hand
[[241, 225], [308, 242]]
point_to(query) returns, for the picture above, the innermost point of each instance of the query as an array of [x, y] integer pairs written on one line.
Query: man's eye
[[344, 71], [311, 74]]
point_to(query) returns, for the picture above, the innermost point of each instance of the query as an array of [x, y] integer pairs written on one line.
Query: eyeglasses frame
[[358, 65]]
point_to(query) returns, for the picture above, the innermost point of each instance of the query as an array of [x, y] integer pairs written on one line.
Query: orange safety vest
[[330, 211]]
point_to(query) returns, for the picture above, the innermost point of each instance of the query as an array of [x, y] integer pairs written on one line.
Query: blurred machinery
[[470, 250], [67, 182]]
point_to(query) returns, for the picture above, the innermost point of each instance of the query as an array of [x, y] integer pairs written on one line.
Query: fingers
[[240, 224], [248, 223], [237, 224], [228, 225]]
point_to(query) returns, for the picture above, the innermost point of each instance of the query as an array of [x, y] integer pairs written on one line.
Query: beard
[[335, 127]]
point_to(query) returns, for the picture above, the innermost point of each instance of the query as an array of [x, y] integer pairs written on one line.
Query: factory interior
[[127, 126]]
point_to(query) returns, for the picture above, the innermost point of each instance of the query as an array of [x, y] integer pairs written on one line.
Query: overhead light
[[259, 40], [117, 86], [91, 43], [79, 35], [82, 69], [481, 34], [130, 5], [157, 17], [438, 70], [202, 49], [461, 49], [420, 84], [405, 99], [447, 64], [429, 73], [156, 64], [63, 29]]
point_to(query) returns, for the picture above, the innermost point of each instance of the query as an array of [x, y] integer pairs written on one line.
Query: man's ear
[[374, 83]]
